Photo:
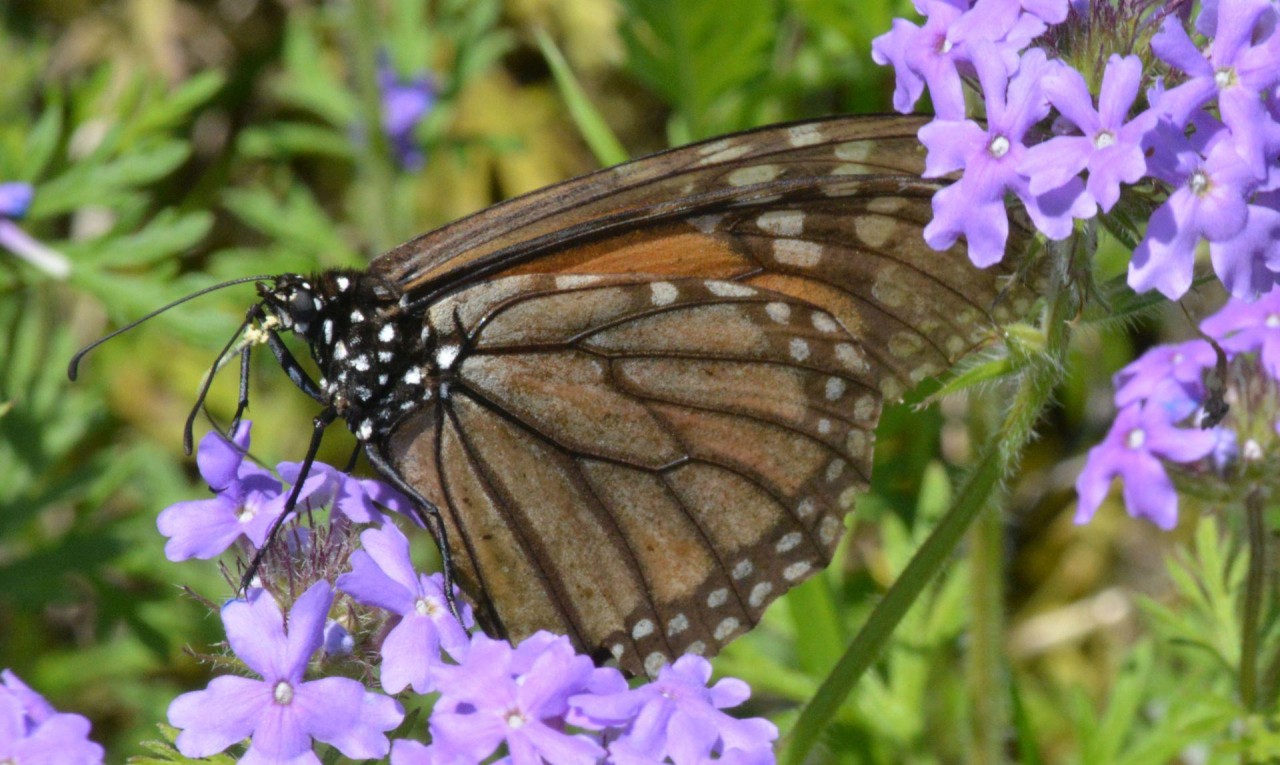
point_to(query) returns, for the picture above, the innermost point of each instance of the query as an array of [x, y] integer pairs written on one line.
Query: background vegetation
[[173, 143]]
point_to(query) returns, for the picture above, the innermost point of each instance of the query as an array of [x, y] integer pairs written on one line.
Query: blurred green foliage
[[175, 143]]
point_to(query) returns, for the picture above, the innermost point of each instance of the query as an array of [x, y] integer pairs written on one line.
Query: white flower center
[[426, 606], [999, 146], [1273, 320], [515, 719], [944, 46], [1251, 451], [1199, 182], [283, 693], [1224, 78], [1136, 438], [1178, 358], [1104, 139], [245, 513]]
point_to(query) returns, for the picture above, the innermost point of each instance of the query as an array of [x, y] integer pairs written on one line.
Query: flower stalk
[[999, 458]]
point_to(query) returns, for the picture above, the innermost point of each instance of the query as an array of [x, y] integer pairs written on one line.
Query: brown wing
[[747, 168], [656, 427]]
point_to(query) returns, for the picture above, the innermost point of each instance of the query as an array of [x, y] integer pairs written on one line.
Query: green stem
[[375, 164], [1254, 584], [998, 459], [985, 673]]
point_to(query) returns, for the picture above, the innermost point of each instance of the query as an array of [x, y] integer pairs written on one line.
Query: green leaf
[[172, 109], [91, 183], [296, 220], [608, 150], [696, 54], [170, 233], [281, 140], [42, 140]]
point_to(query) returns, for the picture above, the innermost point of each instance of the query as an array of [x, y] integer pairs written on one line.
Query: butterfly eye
[[302, 306]]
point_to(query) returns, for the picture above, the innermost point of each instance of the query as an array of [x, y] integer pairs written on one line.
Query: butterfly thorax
[[377, 362]]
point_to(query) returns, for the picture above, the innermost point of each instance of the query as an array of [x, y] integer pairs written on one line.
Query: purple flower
[[488, 701], [1249, 262], [405, 103], [1110, 149], [1243, 327], [409, 752], [32, 731], [282, 712], [247, 500], [382, 575], [15, 198], [1183, 363], [1141, 435], [974, 205], [1209, 202], [356, 498], [940, 51], [678, 717], [1237, 69]]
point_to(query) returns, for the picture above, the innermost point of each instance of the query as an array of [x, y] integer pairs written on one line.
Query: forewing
[[671, 186]]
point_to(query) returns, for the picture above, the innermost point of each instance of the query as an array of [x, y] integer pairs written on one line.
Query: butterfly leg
[[318, 426], [428, 515], [242, 403], [297, 375]]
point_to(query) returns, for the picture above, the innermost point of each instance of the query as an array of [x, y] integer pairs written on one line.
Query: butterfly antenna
[[73, 368]]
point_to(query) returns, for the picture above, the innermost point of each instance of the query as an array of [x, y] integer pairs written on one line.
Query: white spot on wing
[[718, 598], [747, 176], [446, 355], [824, 323], [797, 252], [779, 312], [781, 222], [729, 289], [413, 376], [574, 281], [743, 569], [835, 388], [722, 151], [664, 293], [796, 570], [642, 628], [654, 662], [759, 593], [707, 224], [356, 316], [829, 529], [804, 135], [799, 349], [788, 542], [679, 623], [726, 628], [387, 333]]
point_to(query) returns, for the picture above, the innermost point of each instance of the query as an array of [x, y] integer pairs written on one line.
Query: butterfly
[[635, 407]]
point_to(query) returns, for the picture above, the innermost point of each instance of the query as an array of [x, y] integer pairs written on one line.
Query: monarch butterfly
[[634, 407]]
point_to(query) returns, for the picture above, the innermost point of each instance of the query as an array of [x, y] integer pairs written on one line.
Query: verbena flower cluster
[[362, 606], [1167, 396], [1066, 133], [32, 731]]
